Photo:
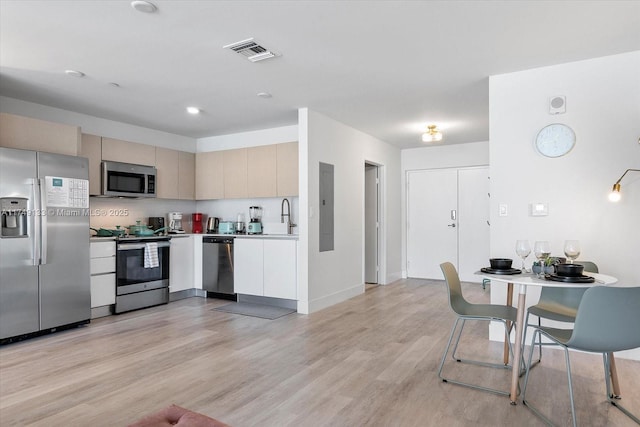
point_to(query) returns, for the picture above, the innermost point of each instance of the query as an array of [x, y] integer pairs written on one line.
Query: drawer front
[[103, 290], [102, 265], [102, 249]]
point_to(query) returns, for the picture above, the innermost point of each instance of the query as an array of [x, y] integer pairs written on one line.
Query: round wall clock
[[555, 140]]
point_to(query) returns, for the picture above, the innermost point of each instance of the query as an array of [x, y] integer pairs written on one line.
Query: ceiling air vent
[[251, 50]]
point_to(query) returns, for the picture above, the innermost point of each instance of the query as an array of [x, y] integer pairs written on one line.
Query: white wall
[[248, 139], [337, 275], [98, 126], [228, 209], [108, 212], [603, 108], [436, 157]]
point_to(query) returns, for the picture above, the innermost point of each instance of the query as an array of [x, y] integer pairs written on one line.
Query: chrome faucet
[[290, 225]]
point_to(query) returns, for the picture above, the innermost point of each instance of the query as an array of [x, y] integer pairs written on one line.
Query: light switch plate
[[503, 210], [539, 209]]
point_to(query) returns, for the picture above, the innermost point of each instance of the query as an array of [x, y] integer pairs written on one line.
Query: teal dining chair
[[559, 304], [607, 321], [464, 311]]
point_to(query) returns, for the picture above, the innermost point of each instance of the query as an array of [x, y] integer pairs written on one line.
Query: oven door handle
[[133, 246]]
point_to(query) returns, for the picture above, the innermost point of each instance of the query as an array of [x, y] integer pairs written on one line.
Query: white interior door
[[371, 224], [473, 222], [432, 233]]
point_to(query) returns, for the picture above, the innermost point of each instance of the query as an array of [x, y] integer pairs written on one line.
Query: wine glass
[[523, 249], [541, 251], [572, 250]]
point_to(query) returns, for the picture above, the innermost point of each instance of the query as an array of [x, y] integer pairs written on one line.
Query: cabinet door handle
[[452, 225]]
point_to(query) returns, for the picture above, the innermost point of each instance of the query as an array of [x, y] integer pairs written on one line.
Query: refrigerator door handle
[[43, 222], [35, 221]]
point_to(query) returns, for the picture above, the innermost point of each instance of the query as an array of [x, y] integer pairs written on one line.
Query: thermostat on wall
[[539, 209]]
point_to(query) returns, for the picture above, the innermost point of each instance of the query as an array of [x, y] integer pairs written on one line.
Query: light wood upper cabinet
[[91, 148], [209, 175], [167, 165], [235, 173], [261, 171], [287, 169], [38, 135], [128, 152], [186, 175], [176, 174]]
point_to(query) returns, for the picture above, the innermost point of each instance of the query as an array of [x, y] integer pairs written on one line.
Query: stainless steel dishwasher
[[217, 266]]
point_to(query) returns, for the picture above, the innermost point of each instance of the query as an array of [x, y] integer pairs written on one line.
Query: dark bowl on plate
[[569, 270], [500, 263]]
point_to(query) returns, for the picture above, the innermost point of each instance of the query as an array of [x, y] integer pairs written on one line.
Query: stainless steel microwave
[[128, 180]]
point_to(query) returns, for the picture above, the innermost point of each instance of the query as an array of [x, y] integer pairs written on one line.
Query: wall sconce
[[615, 196], [432, 134]]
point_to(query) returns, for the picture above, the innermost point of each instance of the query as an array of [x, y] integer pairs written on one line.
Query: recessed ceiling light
[[264, 95], [74, 73], [143, 6], [193, 110]]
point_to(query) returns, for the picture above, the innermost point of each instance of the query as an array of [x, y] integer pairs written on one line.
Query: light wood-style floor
[[370, 361]]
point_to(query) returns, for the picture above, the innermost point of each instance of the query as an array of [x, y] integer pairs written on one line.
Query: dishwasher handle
[[227, 240]]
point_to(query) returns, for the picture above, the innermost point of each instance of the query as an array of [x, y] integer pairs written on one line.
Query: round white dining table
[[528, 279]]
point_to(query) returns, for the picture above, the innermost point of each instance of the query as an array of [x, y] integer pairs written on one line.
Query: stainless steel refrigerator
[[44, 242]]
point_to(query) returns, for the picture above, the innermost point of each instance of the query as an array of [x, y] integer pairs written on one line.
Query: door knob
[[452, 225]]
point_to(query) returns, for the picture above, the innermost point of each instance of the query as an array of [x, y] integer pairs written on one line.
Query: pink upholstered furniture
[[177, 416]]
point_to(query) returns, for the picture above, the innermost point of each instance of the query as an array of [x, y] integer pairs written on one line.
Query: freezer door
[[18, 258], [65, 292]]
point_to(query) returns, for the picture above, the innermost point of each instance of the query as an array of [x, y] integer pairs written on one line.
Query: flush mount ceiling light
[[74, 73], [193, 110], [143, 6], [615, 195], [432, 134], [264, 95], [251, 50]]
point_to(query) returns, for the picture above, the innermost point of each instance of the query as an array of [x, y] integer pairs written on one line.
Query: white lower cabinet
[[181, 264], [248, 266], [103, 273], [265, 267], [280, 268]]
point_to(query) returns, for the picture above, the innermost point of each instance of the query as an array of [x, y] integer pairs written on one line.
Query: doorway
[[371, 223], [447, 220]]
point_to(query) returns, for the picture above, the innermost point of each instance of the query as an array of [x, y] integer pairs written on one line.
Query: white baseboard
[[335, 298], [393, 277]]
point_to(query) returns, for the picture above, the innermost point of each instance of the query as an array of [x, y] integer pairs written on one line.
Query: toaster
[[226, 227]]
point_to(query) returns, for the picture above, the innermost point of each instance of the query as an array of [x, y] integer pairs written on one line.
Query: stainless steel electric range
[[142, 272]]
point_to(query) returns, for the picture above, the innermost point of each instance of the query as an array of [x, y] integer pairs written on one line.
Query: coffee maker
[[175, 222], [196, 223], [255, 224]]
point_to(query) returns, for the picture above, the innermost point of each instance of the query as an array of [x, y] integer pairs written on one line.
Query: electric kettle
[[212, 224]]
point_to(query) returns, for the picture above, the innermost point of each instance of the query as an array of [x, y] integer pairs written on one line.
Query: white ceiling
[[388, 68]]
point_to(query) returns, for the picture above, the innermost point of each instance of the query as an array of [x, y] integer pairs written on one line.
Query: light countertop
[[238, 236], [254, 236]]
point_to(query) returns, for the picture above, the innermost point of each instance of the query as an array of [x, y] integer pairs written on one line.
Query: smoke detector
[[250, 49]]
